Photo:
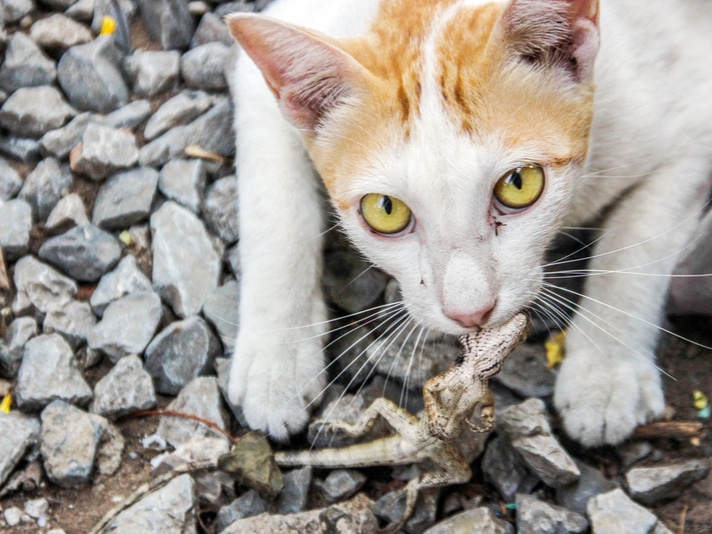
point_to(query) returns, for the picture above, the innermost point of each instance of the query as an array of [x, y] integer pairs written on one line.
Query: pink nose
[[471, 319]]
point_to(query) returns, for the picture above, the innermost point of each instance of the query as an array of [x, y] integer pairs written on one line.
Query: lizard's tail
[[380, 452]]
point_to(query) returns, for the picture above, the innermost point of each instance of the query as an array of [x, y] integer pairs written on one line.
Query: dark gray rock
[[127, 326], [203, 67], [575, 497], [125, 199], [168, 21], [614, 512], [125, 279], [652, 485], [221, 310], [17, 9], [81, 10], [45, 186], [183, 180], [60, 5], [68, 213], [220, 209], [75, 444], [73, 321], [182, 351], [130, 115], [10, 182], [633, 452], [202, 398], [18, 432], [350, 282], [15, 229], [60, 142], [247, 505], [85, 252], [524, 372], [183, 108], [49, 372], [505, 471], [153, 72], [526, 427], [342, 484], [20, 331], [232, 258], [127, 388], [480, 519], [168, 510], [34, 111], [538, 517], [40, 286], [59, 32], [211, 28], [104, 151], [293, 497], [25, 64], [20, 148], [90, 76], [186, 266], [391, 506]]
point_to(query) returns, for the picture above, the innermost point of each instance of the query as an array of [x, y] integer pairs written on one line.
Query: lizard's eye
[[385, 215], [520, 187]]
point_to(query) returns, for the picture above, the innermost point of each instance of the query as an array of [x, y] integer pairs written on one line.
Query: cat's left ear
[[308, 74], [558, 33]]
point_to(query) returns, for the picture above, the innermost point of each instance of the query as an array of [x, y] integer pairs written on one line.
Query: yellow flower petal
[[555, 349], [6, 403], [108, 26], [125, 238], [699, 399]]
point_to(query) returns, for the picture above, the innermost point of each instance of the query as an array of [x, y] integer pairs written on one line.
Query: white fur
[[651, 139]]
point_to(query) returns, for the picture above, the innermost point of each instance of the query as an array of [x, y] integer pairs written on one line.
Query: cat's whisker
[[353, 280]]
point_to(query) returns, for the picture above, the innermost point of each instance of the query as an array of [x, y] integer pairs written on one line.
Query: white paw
[[603, 398], [276, 382]]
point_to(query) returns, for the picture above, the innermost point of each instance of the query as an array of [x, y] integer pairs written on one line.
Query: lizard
[[451, 400]]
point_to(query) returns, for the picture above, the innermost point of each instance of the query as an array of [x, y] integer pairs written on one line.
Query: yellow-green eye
[[386, 215], [520, 187]]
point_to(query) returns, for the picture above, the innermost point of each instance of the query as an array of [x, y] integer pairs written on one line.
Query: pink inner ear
[[308, 75]]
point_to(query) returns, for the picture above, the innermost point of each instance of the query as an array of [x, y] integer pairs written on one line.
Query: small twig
[[680, 430], [197, 151], [683, 518], [173, 413]]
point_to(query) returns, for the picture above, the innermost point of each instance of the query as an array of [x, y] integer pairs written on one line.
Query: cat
[[455, 139]]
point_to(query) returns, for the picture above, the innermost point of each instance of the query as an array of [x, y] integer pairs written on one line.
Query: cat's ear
[[308, 73], [558, 33]]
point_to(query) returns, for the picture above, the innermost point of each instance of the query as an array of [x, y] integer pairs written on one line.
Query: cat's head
[[449, 139]]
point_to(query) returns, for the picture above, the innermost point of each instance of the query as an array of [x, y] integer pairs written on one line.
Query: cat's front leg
[[277, 368], [608, 383]]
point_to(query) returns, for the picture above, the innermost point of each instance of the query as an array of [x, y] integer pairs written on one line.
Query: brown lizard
[[451, 399]]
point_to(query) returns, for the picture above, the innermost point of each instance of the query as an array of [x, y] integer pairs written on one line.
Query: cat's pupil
[[387, 205], [516, 180]]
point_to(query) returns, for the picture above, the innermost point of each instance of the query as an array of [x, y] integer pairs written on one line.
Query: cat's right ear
[[308, 73]]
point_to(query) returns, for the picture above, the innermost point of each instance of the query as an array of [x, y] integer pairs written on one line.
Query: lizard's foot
[[484, 422], [410, 494]]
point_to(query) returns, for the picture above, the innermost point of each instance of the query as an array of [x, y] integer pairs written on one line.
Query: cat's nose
[[472, 319]]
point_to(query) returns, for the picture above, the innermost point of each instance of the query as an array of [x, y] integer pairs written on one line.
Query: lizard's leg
[[398, 418], [484, 421]]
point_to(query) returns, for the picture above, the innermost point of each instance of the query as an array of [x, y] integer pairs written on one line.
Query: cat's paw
[[602, 400], [276, 383]]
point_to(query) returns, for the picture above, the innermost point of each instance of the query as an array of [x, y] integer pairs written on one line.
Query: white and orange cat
[[455, 138]]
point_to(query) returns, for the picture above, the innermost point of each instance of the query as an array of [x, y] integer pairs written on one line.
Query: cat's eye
[[385, 214], [520, 187]]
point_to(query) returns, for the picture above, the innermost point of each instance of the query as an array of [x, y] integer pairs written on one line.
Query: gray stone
[[220, 209], [125, 199], [221, 310], [60, 5], [481, 520], [130, 115], [81, 10], [75, 444], [85, 252], [127, 326], [20, 331], [41, 286], [524, 372], [505, 471], [248, 504], [342, 484], [391, 506], [127, 388], [34, 111], [538, 517], [45, 186], [17, 9], [526, 427], [195, 451], [20, 148], [59, 31], [10, 182], [125, 279], [182, 351], [49, 372], [293, 497], [37, 509], [168, 21], [614, 512], [633, 452], [186, 266], [122, 11], [13, 516], [25, 65], [60, 142], [211, 28], [168, 510], [68, 213], [104, 151], [15, 229], [212, 131], [232, 258], [183, 108], [73, 322], [90, 76], [575, 497], [201, 397], [184, 181], [652, 485], [153, 72], [18, 433], [352, 283], [203, 67]]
